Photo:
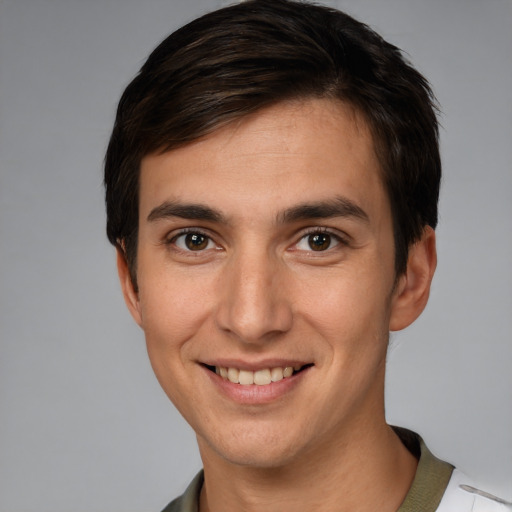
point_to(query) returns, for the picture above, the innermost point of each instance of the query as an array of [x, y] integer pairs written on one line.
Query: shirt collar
[[427, 489]]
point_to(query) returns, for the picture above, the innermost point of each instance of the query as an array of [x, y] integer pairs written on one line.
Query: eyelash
[[335, 237], [171, 241]]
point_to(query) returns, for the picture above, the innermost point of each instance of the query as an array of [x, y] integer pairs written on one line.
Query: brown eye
[[319, 241], [196, 241], [192, 241]]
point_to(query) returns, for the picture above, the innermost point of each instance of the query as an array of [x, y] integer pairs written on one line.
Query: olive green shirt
[[427, 489]]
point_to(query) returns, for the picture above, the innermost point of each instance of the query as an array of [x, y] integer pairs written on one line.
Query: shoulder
[[176, 505], [463, 495], [189, 500]]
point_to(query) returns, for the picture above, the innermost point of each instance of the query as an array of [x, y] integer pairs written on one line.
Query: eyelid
[[340, 237], [171, 238]]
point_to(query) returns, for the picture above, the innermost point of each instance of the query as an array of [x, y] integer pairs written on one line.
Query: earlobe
[[413, 287], [131, 297]]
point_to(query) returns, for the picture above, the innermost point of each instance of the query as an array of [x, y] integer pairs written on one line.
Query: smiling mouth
[[261, 377]]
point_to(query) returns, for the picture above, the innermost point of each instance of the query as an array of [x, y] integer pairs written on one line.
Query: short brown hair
[[237, 60]]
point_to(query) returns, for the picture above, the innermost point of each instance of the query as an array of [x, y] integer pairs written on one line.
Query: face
[[266, 281]]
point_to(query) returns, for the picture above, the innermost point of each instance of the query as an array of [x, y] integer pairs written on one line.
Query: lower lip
[[254, 394]]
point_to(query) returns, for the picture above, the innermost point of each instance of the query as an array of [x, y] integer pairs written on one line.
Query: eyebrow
[[337, 207], [185, 211]]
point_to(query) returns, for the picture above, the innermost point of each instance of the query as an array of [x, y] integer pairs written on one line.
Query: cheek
[[175, 310], [171, 316], [349, 310], [173, 302]]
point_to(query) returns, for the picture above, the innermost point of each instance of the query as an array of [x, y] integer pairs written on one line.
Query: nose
[[254, 305]]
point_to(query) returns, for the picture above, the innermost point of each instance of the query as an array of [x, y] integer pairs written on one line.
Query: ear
[[131, 297], [413, 288]]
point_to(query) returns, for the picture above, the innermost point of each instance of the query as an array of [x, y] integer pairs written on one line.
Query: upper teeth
[[259, 377]]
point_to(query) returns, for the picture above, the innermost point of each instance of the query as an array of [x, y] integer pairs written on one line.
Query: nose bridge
[[254, 307]]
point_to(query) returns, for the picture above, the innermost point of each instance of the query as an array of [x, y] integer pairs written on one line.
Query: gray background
[[84, 425]]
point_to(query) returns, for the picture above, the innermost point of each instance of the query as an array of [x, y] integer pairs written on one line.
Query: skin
[[254, 294]]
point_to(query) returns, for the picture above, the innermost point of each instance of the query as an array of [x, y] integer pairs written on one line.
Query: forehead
[[277, 156]]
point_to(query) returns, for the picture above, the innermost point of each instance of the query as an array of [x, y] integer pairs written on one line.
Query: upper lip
[[254, 365]]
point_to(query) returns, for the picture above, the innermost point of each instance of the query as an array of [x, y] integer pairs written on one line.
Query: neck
[[366, 471]]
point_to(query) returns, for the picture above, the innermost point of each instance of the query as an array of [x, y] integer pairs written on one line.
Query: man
[[272, 183]]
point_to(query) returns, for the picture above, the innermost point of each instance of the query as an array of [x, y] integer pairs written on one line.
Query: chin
[[255, 451], [261, 458]]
